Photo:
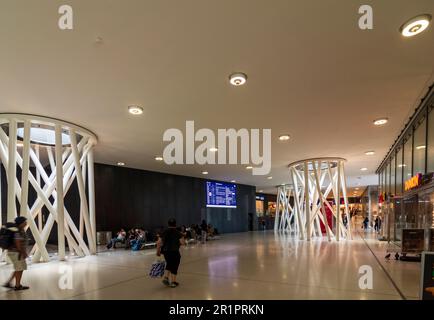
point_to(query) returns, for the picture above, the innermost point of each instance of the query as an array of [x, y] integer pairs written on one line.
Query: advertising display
[[427, 276], [413, 240]]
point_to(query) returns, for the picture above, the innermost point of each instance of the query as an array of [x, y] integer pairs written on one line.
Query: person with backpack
[[16, 251], [168, 245]]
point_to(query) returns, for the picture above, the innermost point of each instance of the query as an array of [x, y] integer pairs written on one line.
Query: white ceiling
[[311, 71]]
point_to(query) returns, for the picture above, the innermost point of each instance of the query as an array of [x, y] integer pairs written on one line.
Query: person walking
[[168, 245], [365, 223], [204, 230], [17, 254]]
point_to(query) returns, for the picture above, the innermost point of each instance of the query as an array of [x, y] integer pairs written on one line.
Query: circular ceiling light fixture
[[121, 164], [204, 172], [237, 79], [415, 25], [284, 137], [381, 121], [369, 153], [135, 110], [159, 158], [363, 169], [233, 181]]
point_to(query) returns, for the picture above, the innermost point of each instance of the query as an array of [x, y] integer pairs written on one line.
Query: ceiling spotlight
[[284, 137], [121, 164], [204, 172], [369, 153], [269, 178], [159, 158], [420, 147], [135, 110], [249, 167], [380, 122], [415, 25], [213, 149], [233, 181], [237, 79], [363, 169]]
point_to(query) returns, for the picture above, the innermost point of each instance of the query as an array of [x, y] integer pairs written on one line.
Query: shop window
[[399, 167], [430, 142], [387, 185], [419, 148], [392, 176], [407, 165]]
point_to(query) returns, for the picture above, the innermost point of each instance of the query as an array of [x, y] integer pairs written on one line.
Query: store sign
[[413, 182]]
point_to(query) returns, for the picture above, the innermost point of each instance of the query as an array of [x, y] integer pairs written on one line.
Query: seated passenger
[[120, 237]]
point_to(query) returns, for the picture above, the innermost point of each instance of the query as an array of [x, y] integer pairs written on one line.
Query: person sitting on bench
[[120, 237]]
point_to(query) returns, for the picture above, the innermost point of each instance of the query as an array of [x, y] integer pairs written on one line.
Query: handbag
[[157, 269]]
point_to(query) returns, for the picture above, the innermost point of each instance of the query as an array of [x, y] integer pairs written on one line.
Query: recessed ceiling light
[[135, 110], [369, 153], [363, 169], [204, 172], [420, 147], [284, 137], [121, 164], [381, 121], [415, 25], [269, 178], [237, 79], [213, 149], [249, 167], [233, 181], [159, 158]]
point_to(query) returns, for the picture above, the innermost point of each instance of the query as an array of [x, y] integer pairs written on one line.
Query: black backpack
[[7, 233]]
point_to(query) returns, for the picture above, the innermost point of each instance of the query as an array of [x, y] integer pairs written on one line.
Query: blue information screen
[[221, 195]]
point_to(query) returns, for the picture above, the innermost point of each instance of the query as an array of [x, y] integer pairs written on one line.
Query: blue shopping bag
[[157, 269]]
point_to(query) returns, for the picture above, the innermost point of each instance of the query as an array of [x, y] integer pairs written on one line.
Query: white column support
[[12, 170], [71, 162], [60, 195], [313, 180], [91, 190]]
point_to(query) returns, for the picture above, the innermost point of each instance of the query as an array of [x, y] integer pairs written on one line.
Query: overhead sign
[[427, 276], [413, 182]]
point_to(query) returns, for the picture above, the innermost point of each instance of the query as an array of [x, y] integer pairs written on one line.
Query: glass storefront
[[411, 157]]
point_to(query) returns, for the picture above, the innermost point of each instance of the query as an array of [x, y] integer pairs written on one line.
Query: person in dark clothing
[[365, 223], [204, 230], [168, 245]]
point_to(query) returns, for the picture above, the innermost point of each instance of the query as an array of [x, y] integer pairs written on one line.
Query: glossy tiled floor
[[255, 265]]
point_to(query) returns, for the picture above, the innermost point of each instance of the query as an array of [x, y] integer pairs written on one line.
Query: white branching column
[[50, 155], [313, 182], [285, 219]]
